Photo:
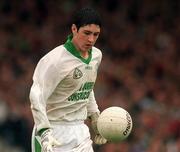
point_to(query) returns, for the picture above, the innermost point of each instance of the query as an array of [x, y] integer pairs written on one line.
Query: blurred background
[[140, 70]]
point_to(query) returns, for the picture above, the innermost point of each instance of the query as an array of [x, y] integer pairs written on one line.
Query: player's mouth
[[88, 46]]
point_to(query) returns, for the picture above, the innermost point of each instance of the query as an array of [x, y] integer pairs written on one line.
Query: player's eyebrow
[[91, 32]]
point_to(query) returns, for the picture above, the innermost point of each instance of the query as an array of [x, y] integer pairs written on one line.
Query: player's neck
[[85, 55]]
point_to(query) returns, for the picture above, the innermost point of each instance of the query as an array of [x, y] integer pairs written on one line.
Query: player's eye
[[96, 34], [87, 33]]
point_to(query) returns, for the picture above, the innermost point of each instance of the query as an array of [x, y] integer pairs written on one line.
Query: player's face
[[85, 37]]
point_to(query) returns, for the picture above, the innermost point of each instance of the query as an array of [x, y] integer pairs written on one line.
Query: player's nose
[[91, 38]]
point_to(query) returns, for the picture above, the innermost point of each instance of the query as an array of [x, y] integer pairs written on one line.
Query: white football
[[114, 124]]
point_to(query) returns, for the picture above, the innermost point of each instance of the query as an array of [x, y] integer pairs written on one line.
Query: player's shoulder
[[54, 55], [56, 52], [96, 51]]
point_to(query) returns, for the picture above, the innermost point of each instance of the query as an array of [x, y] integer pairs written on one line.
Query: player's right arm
[[45, 79], [44, 82]]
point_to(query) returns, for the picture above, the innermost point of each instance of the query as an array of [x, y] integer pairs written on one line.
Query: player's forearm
[[98, 138], [92, 106], [40, 119], [38, 108]]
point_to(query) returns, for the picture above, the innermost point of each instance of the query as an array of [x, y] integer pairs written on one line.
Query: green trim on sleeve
[[71, 48], [41, 131], [37, 145]]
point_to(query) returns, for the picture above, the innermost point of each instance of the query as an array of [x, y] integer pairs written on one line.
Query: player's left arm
[[93, 114], [92, 107]]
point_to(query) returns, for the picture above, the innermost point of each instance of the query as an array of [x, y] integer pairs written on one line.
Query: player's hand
[[47, 141], [98, 138]]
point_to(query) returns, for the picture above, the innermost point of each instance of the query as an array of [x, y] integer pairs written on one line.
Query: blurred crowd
[[140, 70]]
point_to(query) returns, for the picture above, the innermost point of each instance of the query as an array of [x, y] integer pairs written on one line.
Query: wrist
[[94, 119], [41, 131], [94, 116]]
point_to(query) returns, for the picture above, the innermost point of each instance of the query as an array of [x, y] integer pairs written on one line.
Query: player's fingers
[[103, 140], [96, 140], [99, 140], [56, 143], [49, 148]]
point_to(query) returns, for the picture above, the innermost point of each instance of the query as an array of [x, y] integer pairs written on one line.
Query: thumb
[[56, 143]]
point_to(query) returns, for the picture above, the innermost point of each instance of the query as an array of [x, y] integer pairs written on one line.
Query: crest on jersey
[[77, 73]]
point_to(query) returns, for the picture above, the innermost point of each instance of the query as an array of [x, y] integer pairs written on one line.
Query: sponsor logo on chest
[[77, 74]]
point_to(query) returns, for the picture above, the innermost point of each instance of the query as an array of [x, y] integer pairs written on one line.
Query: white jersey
[[63, 84]]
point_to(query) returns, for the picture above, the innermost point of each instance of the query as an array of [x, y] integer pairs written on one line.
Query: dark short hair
[[86, 16]]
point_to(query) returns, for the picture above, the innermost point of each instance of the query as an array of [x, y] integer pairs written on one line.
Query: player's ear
[[74, 29]]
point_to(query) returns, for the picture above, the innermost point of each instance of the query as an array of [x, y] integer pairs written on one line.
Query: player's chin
[[88, 47]]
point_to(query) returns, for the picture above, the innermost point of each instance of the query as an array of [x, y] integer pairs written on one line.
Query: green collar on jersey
[[71, 48]]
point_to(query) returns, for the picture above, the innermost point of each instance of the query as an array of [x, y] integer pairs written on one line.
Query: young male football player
[[62, 94]]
